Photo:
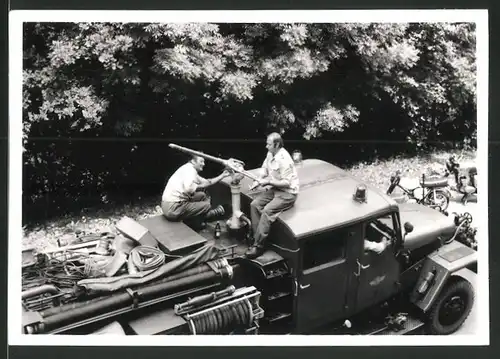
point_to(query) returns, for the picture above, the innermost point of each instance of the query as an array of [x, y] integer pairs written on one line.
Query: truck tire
[[452, 308]]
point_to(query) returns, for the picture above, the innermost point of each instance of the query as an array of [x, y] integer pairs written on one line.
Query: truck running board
[[278, 316], [411, 325]]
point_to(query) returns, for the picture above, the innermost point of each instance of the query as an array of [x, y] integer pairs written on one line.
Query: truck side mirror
[[408, 228]]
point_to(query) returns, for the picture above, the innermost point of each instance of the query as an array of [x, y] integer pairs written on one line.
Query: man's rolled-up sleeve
[[286, 170], [264, 172], [190, 183]]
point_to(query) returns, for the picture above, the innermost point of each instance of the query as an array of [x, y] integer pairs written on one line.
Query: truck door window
[[379, 229], [324, 248]]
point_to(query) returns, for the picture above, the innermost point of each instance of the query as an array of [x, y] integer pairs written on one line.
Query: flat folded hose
[[146, 258], [112, 284]]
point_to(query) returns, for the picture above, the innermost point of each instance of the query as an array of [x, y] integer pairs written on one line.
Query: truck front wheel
[[452, 308]]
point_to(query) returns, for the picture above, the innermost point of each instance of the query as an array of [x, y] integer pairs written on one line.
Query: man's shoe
[[215, 212], [254, 252]]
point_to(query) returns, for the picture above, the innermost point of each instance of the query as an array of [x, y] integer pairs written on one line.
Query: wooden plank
[[149, 240], [131, 228], [172, 236]]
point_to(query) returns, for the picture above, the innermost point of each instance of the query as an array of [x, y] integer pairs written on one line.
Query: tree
[[411, 82]]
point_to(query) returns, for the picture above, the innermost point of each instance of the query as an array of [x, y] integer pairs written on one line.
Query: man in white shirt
[[183, 197], [280, 174]]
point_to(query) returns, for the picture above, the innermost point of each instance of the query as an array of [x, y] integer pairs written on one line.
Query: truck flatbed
[[178, 237]]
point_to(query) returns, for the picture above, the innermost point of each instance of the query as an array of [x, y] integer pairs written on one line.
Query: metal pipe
[[67, 307], [204, 299], [91, 243], [247, 220], [219, 263], [235, 165], [190, 272], [187, 273], [156, 289], [33, 292], [197, 153], [120, 300]]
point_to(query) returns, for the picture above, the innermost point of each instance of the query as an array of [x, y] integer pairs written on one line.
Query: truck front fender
[[436, 271]]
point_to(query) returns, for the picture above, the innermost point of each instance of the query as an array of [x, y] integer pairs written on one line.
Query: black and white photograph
[[248, 178]]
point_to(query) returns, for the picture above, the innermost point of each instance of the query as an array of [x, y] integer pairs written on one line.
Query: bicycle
[[434, 191]]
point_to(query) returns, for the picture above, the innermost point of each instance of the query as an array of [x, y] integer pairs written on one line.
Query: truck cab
[[323, 240]]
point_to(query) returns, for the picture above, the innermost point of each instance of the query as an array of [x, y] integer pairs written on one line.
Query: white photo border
[[16, 20]]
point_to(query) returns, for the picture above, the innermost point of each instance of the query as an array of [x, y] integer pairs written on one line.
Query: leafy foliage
[[87, 82]]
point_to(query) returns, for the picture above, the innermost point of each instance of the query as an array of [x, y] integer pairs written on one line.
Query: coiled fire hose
[[143, 258], [223, 319]]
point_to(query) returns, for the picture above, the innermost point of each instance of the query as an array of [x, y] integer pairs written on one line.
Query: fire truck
[[316, 276]]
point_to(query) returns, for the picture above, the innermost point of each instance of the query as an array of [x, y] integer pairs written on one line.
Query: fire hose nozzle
[[235, 162]]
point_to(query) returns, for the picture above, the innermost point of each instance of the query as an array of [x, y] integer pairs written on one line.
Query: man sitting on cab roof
[[183, 197], [280, 174]]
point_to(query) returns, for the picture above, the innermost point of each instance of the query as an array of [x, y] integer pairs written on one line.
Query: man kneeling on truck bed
[[183, 198], [280, 174]]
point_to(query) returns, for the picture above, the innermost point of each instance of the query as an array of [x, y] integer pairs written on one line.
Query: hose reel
[[232, 310]]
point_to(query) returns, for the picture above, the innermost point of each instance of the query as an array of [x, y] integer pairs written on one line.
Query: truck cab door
[[322, 280], [377, 274]]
